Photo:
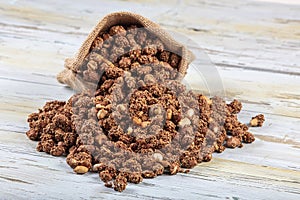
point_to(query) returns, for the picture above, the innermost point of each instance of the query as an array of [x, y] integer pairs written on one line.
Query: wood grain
[[255, 46]]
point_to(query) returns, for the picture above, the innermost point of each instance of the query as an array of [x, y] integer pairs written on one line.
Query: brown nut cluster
[[52, 127], [140, 122], [258, 120], [236, 129], [125, 47], [200, 132]]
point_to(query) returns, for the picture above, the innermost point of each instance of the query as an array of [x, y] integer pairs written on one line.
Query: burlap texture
[[68, 75]]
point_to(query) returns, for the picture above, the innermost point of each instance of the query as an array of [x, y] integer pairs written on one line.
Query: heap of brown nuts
[[125, 47], [139, 122]]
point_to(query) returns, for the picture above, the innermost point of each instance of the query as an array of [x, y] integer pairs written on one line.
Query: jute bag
[[69, 76]]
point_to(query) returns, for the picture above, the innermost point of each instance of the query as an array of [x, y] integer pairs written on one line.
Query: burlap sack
[[68, 75]]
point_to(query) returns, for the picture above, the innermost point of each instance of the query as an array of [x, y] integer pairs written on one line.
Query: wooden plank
[[266, 151], [257, 41], [262, 38], [217, 179], [254, 85]]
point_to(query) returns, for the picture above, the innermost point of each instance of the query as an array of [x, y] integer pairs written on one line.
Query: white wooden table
[[255, 45]]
